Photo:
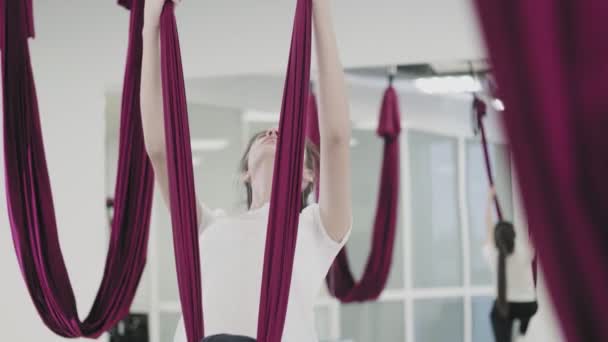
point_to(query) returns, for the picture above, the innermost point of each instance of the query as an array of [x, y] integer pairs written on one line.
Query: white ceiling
[[229, 37], [235, 51]]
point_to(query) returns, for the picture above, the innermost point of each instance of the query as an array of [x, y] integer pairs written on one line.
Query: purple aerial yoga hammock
[[29, 198], [30, 202], [549, 59], [285, 202], [340, 280]]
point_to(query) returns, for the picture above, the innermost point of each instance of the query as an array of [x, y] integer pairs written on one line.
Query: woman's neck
[[261, 184]]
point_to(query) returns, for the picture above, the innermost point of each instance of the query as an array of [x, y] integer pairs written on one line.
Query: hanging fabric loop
[[285, 201], [29, 197], [182, 198], [340, 280]]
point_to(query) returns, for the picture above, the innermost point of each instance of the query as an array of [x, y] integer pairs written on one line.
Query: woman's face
[[263, 150]]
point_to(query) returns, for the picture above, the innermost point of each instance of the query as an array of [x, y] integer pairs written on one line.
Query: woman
[[232, 247], [521, 290]]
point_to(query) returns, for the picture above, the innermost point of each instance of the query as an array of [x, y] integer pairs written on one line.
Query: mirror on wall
[[439, 287]]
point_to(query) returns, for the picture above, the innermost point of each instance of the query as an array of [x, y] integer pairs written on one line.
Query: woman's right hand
[[152, 11]]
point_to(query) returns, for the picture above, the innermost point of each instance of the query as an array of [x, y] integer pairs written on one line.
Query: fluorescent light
[[209, 144], [448, 84], [498, 105]]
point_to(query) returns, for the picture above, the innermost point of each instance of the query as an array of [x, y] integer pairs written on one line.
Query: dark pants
[[228, 338], [503, 326]]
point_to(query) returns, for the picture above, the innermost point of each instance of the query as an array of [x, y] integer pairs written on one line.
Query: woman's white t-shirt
[[520, 277], [232, 256]]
